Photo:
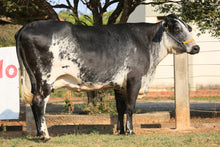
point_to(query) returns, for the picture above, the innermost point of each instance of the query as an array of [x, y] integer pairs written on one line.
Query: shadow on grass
[[34, 139], [59, 130]]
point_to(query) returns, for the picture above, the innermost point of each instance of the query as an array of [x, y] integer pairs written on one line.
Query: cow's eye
[[177, 29]]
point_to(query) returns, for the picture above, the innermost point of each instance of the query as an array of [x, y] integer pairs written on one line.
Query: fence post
[[181, 83]]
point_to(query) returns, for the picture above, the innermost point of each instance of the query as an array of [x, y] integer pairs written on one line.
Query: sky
[[82, 8]]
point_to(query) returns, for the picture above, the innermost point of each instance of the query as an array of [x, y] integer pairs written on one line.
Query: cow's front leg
[[121, 107], [39, 116], [133, 87]]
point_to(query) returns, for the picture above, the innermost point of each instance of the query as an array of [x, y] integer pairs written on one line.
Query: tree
[[99, 7], [204, 13], [24, 11], [84, 19]]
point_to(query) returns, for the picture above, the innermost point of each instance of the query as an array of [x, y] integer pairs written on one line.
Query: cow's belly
[[67, 81]]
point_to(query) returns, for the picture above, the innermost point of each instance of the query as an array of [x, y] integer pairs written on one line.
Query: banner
[[9, 84]]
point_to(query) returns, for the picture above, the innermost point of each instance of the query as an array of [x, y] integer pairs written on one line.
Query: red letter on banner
[[14, 71]]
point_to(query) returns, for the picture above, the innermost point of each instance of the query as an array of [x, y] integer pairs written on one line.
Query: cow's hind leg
[[121, 107], [133, 87], [39, 116]]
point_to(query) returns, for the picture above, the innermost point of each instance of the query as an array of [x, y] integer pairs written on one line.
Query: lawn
[[155, 139]]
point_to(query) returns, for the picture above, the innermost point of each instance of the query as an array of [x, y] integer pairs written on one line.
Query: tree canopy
[[24, 11], [204, 13]]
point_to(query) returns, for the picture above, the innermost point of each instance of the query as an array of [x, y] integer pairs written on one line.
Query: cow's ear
[[169, 21], [172, 16], [169, 18], [166, 23]]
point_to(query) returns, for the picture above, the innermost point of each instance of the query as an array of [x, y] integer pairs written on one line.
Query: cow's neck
[[157, 53], [160, 49]]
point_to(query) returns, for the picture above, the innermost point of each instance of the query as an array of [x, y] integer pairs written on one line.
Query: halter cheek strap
[[182, 44]]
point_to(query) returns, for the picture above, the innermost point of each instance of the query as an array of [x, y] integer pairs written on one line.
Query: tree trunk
[[126, 12], [97, 12], [112, 19]]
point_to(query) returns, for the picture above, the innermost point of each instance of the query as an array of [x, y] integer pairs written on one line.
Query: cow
[[86, 58]]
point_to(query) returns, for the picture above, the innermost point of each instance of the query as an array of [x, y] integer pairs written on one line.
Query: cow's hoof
[[131, 132], [45, 139], [121, 133]]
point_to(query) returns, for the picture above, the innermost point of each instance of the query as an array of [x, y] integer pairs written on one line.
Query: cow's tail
[[28, 81]]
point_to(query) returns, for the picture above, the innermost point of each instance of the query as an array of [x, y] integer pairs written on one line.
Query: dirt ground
[[199, 124]]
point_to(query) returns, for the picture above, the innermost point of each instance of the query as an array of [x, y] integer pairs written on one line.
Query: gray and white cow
[[84, 58]]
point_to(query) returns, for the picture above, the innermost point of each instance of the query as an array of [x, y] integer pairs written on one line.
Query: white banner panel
[[9, 84]]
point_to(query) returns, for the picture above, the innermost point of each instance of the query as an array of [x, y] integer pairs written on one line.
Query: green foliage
[[106, 17], [10, 6], [14, 9], [23, 11], [83, 19], [62, 93], [204, 13], [107, 105], [3, 128], [86, 20], [66, 15], [79, 94], [59, 93], [210, 99], [69, 107]]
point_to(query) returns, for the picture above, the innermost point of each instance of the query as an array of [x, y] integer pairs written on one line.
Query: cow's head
[[178, 35]]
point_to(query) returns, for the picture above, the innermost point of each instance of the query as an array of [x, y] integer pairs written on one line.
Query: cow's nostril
[[196, 48]]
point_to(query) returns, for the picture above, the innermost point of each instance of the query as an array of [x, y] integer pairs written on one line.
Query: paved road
[[196, 108]]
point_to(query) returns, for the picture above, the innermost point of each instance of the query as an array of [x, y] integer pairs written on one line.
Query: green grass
[[211, 98], [155, 139], [7, 33], [158, 99]]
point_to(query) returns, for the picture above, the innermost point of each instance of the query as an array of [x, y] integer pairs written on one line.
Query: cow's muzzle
[[195, 50]]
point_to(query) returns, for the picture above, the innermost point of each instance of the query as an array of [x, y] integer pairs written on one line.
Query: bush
[[106, 105]]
